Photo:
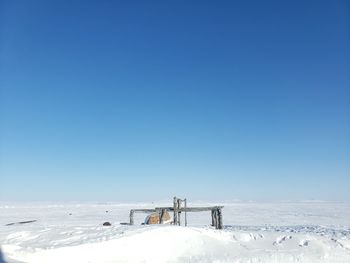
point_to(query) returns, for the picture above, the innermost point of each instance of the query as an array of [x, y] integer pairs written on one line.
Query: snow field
[[254, 232]]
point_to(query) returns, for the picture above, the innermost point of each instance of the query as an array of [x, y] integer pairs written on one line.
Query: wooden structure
[[179, 207]]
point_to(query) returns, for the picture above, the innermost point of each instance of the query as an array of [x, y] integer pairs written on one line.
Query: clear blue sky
[[141, 100]]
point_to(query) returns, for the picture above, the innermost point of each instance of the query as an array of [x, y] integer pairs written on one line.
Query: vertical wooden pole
[[185, 212], [212, 218], [175, 210], [215, 219], [131, 217], [219, 219], [179, 212], [161, 215]]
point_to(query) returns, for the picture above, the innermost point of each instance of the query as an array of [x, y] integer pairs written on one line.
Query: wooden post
[[131, 217], [219, 219], [179, 211], [175, 211], [215, 218], [161, 215], [212, 218], [185, 212]]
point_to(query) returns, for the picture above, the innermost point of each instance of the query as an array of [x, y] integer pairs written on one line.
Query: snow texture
[[253, 232]]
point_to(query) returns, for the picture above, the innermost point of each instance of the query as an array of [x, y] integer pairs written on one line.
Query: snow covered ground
[[254, 232]]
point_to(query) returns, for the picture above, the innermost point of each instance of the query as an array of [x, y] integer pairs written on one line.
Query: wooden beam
[[143, 210], [191, 209]]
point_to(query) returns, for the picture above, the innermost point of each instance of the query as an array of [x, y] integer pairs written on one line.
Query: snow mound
[[191, 244]]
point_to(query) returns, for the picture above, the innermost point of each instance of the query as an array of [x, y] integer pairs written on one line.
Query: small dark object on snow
[[70, 214], [107, 211], [22, 222], [107, 224]]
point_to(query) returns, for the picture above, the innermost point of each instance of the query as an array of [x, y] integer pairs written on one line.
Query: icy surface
[[254, 232]]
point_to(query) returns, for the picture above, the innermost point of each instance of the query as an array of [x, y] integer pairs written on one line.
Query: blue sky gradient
[[142, 100]]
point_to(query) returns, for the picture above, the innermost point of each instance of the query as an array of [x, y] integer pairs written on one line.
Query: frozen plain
[[253, 232]]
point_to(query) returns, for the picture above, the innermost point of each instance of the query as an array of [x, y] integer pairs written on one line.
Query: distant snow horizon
[[165, 201]]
